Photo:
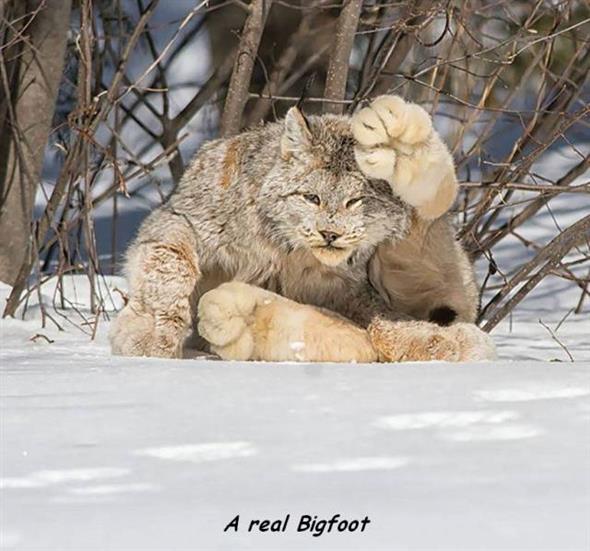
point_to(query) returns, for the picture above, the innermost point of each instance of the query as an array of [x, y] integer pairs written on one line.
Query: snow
[[154, 454], [106, 453], [200, 453], [40, 479]]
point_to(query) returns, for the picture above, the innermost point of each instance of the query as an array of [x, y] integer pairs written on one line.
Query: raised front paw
[[385, 129], [411, 341], [396, 142], [226, 315], [390, 121]]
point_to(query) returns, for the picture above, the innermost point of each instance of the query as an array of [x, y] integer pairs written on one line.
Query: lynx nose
[[329, 236]]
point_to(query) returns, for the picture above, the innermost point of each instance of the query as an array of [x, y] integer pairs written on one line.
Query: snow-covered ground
[[109, 453]]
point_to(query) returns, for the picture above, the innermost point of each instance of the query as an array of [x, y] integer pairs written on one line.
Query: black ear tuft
[[303, 97], [305, 92], [443, 315], [296, 139]]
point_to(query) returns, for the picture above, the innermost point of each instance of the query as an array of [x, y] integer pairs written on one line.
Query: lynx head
[[316, 197]]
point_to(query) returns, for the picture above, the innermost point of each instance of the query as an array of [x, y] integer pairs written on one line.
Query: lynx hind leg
[[243, 322], [423, 341], [157, 319], [427, 275], [396, 142]]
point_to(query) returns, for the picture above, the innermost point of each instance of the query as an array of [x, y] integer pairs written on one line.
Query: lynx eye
[[352, 202], [311, 198]]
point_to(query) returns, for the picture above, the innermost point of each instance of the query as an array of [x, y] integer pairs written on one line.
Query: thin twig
[[554, 337]]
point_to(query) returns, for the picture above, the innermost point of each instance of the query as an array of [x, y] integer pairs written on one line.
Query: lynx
[[320, 238]]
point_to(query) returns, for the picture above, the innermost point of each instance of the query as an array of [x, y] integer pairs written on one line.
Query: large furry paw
[[396, 142], [132, 333], [390, 119], [135, 332], [226, 315], [386, 127], [406, 341]]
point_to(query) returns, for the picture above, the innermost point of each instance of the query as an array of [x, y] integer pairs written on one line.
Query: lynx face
[[316, 198]]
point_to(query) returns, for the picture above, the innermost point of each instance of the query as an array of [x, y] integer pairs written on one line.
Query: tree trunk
[[339, 58], [239, 84], [30, 74]]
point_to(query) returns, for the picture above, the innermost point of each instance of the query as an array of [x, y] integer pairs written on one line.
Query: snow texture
[[104, 453]]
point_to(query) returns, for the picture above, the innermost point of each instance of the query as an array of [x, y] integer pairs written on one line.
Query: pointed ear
[[296, 139]]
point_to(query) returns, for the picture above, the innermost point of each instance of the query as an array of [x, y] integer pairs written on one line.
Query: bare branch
[[545, 260]]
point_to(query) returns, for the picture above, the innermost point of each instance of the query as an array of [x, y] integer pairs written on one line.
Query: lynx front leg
[[243, 322], [397, 143], [155, 322]]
